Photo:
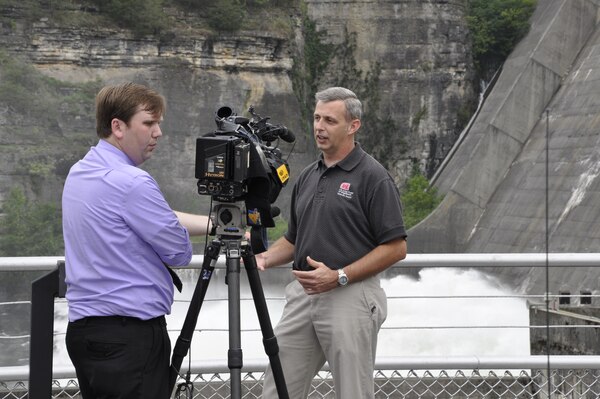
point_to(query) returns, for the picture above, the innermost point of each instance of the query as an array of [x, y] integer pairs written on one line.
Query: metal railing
[[395, 377], [461, 260]]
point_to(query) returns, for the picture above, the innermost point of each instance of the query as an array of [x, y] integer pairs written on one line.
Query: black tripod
[[229, 221]]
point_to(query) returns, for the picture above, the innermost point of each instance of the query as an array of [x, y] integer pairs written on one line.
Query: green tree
[[30, 228], [496, 27], [418, 199], [226, 15]]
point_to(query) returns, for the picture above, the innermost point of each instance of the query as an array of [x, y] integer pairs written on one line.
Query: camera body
[[237, 163], [222, 165]]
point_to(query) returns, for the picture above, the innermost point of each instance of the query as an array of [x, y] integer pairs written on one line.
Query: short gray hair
[[353, 104]]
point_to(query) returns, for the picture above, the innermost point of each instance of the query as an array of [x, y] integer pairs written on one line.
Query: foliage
[[226, 15], [193, 4], [142, 17], [496, 27], [378, 132], [25, 90], [335, 65], [309, 68], [20, 85], [33, 8], [279, 230], [222, 15], [418, 199], [233, 15], [419, 116], [155, 17], [31, 228], [197, 4]]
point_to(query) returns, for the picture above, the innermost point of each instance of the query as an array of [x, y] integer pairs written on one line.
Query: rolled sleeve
[[149, 215]]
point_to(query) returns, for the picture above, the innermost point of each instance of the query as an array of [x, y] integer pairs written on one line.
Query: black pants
[[120, 357]]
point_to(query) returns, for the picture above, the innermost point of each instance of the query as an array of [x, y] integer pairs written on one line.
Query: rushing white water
[[413, 327], [462, 299]]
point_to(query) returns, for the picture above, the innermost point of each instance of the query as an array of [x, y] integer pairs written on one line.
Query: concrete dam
[[523, 176]]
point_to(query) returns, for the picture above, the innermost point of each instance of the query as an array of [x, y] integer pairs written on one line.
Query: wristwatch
[[342, 278]]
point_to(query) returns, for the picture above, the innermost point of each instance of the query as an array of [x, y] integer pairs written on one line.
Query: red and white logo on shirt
[[344, 191]]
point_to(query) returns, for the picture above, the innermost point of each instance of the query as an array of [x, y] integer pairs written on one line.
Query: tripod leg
[[269, 339], [187, 331], [234, 355]]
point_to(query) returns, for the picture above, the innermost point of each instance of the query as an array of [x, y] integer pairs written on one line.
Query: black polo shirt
[[341, 213]]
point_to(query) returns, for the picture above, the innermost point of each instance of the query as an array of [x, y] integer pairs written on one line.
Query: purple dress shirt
[[118, 231]]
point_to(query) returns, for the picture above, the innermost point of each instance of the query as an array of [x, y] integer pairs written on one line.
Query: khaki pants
[[340, 327]]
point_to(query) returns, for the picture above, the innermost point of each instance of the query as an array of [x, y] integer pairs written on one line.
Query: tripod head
[[230, 220]]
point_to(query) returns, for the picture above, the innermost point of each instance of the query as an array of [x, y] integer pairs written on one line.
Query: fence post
[[43, 292]]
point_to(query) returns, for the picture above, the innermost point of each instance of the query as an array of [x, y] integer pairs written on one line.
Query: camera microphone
[[272, 132], [275, 211], [286, 134], [228, 122]]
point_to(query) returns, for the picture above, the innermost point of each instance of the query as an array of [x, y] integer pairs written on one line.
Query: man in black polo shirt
[[345, 228]]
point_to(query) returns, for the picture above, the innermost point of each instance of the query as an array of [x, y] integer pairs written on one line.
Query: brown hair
[[122, 102]]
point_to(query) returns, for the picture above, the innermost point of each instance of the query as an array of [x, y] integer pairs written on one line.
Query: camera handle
[[234, 249]]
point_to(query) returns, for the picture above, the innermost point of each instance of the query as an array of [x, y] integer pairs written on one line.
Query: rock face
[[525, 177], [197, 75], [424, 53], [422, 48]]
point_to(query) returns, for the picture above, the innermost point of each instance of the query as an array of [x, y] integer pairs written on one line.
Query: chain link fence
[[412, 384]]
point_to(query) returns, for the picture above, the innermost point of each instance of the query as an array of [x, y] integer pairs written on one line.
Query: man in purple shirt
[[120, 234]]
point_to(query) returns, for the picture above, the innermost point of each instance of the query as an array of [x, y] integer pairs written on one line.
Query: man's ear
[[116, 126], [354, 126]]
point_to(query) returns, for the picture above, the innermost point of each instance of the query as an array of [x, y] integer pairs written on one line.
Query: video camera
[[237, 163]]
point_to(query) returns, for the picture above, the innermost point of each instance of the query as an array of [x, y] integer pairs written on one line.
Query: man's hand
[[316, 281], [281, 252], [261, 261]]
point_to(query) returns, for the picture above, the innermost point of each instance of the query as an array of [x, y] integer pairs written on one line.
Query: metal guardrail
[[397, 377], [480, 260]]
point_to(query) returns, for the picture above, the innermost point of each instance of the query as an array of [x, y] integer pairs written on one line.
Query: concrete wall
[[503, 132], [565, 341]]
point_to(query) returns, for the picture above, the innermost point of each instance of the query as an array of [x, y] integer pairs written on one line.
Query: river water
[[449, 298]]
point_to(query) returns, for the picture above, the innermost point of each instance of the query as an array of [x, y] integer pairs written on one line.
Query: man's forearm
[[376, 261], [280, 253], [196, 225]]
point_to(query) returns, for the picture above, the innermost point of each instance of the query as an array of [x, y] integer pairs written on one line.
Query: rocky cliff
[[420, 46], [426, 83]]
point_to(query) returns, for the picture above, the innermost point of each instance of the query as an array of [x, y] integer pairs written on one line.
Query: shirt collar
[[349, 162], [104, 145]]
